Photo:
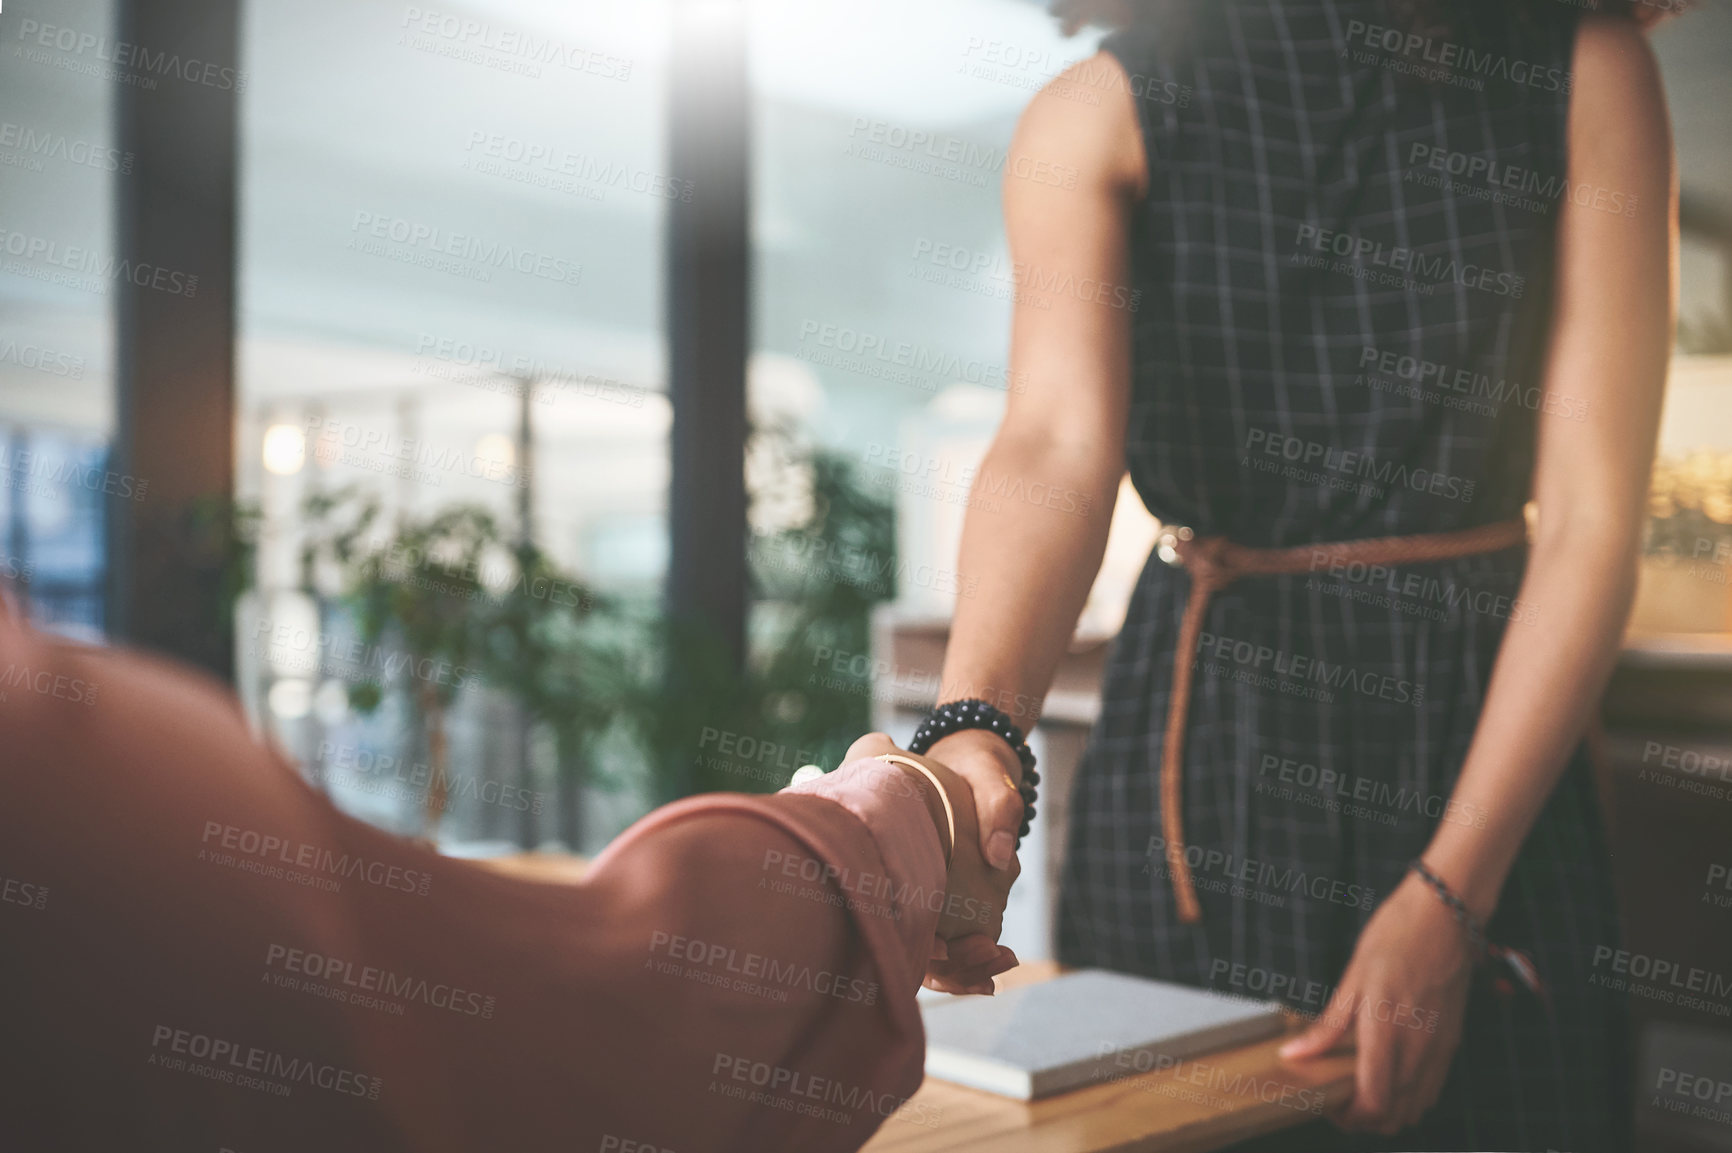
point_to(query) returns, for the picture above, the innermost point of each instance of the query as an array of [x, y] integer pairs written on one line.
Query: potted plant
[[416, 589]]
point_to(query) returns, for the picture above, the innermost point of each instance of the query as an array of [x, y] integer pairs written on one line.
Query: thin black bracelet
[[1519, 964], [973, 713], [1474, 926]]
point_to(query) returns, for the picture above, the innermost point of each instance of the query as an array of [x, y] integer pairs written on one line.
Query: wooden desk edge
[[1184, 1109]]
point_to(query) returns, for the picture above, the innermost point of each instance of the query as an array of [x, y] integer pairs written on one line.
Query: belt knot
[[1208, 559]]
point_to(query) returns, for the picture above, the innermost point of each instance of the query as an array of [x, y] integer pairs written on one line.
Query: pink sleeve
[[734, 973], [906, 869], [793, 932]]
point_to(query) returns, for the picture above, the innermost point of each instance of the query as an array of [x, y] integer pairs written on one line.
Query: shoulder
[[1084, 123], [1614, 48]]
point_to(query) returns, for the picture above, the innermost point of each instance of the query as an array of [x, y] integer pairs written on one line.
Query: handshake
[[966, 954]]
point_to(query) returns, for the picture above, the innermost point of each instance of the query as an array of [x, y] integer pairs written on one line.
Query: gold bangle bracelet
[[949, 813]]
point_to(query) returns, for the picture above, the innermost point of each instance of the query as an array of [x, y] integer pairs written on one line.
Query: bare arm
[[1609, 344], [1059, 452]]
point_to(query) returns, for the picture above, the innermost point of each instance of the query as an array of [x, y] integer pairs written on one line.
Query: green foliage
[[814, 586], [452, 588], [417, 585], [830, 573], [234, 526]]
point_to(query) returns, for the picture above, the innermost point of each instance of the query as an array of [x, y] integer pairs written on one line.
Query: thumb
[[998, 807], [1324, 1034]]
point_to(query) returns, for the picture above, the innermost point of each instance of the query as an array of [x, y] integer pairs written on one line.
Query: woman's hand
[[991, 768], [1401, 999], [965, 952]]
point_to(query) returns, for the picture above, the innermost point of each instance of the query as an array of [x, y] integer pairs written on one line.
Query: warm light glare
[[291, 700], [497, 448], [285, 450]]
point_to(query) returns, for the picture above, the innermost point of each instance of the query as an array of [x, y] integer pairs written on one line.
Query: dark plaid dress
[[1345, 273]]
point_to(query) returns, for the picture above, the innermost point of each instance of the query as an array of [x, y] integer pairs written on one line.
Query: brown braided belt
[[1216, 562]]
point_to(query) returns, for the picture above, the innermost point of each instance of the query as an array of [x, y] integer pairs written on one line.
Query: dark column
[[708, 286], [174, 353], [17, 511], [528, 828]]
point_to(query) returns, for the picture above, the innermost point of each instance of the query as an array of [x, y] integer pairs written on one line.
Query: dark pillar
[[17, 511], [528, 828], [174, 354], [708, 288]]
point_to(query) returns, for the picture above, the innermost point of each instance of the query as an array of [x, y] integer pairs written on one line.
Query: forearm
[[1030, 565], [1036, 528], [1610, 341], [1547, 681]]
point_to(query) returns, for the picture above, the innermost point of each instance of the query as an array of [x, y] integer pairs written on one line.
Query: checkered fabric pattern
[[1271, 404]]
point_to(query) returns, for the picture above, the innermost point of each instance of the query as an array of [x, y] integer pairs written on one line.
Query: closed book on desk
[[1083, 1028]]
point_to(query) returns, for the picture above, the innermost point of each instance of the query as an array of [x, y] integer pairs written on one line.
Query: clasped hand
[[966, 954]]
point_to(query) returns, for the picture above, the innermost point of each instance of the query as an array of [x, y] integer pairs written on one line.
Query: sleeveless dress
[[1344, 262]]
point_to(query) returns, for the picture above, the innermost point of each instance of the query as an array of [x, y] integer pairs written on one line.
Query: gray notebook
[[1036, 1040]]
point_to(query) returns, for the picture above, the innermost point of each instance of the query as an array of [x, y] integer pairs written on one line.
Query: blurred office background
[[426, 459]]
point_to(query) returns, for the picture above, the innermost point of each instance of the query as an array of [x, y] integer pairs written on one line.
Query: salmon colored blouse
[[199, 953]]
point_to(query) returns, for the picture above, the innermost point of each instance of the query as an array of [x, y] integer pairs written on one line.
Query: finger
[[975, 984], [958, 984], [980, 978], [1408, 1110], [972, 949], [955, 976], [1411, 1072], [950, 977], [958, 969], [1422, 1073], [1373, 1078], [1430, 1086], [1324, 1034], [1002, 962], [1425, 1097]]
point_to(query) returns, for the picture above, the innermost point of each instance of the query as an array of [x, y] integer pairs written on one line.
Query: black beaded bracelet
[[973, 713]]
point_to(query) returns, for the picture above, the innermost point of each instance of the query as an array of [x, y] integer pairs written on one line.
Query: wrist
[[972, 744], [1431, 889], [1477, 882]]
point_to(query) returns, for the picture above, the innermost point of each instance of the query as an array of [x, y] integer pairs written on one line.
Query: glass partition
[[58, 278], [450, 296]]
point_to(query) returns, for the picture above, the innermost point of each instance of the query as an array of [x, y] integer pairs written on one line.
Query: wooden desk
[[1196, 1106]]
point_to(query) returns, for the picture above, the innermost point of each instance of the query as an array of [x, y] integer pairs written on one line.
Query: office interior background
[[542, 410]]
